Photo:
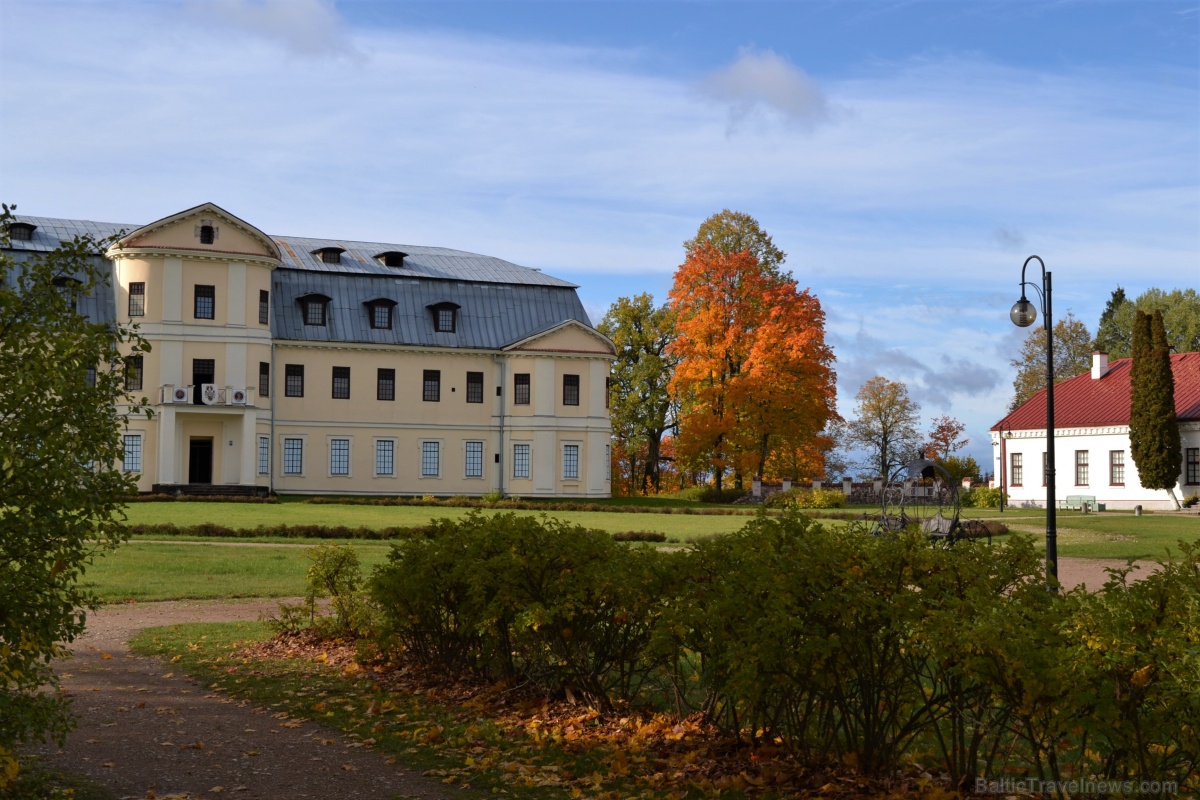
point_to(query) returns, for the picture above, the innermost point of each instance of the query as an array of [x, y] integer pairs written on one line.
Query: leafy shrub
[[981, 497], [335, 574], [799, 497], [507, 595]]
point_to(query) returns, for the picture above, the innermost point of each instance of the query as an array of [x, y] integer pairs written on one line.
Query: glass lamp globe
[[1023, 313]]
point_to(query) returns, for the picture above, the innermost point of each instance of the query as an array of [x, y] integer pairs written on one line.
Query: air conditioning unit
[[236, 397], [209, 394], [178, 394]]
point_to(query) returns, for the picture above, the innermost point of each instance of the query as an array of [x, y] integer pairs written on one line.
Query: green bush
[[842, 647], [981, 497], [516, 596], [334, 574], [799, 497]]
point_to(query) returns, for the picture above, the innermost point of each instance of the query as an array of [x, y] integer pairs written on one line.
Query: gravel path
[[146, 731]]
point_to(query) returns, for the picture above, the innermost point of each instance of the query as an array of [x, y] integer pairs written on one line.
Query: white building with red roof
[[1091, 440]]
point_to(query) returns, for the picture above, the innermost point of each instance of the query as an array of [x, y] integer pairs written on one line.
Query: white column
[[547, 462], [597, 467], [237, 295], [166, 445], [249, 447], [545, 388], [172, 290]]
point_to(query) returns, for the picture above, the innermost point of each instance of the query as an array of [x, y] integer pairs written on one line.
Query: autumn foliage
[[754, 380]]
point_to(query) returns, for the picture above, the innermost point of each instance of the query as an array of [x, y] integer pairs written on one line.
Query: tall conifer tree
[[1153, 430]]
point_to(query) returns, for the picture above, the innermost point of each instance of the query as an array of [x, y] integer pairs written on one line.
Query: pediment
[[570, 336], [207, 228]]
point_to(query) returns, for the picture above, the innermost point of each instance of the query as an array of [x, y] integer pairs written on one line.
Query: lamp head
[[1023, 313]]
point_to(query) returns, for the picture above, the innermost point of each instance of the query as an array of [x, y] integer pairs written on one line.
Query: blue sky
[[907, 156]]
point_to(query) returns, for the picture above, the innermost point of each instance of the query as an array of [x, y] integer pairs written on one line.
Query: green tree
[[1153, 430], [1109, 336], [640, 404], [885, 425], [1181, 320], [732, 232], [1072, 356], [64, 404]]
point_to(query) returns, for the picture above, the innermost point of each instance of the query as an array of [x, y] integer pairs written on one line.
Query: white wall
[[1098, 442]]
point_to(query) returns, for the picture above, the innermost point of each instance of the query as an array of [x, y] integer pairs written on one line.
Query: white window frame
[[528, 461], [608, 463], [283, 461], [437, 443], [349, 440], [578, 456], [467, 459], [139, 439], [264, 455], [391, 442]]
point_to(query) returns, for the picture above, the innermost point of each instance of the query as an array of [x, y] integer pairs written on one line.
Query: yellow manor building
[[314, 366]]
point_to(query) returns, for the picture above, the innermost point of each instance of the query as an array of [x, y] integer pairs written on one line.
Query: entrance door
[[200, 457]]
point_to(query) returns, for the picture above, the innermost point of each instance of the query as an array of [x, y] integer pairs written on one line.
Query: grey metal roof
[[359, 258], [51, 231], [98, 305], [442, 263], [490, 315]]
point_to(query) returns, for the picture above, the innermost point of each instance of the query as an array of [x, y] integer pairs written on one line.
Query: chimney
[[1099, 365]]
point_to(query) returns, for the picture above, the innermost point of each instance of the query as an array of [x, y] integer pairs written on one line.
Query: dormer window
[[392, 258], [21, 231], [445, 317], [379, 311], [315, 308], [329, 255]]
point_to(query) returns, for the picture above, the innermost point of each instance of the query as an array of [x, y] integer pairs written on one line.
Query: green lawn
[[1112, 534], [146, 571]]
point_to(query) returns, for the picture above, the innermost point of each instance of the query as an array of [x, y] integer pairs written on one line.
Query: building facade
[[309, 366], [1091, 439]]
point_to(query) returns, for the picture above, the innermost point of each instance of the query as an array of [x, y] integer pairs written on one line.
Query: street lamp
[[1023, 315]]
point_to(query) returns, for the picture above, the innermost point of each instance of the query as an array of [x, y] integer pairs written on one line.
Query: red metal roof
[[1083, 402]]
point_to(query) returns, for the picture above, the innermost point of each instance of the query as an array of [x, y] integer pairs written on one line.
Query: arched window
[[329, 255]]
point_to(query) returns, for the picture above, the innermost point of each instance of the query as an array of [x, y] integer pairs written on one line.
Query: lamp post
[[1023, 315]]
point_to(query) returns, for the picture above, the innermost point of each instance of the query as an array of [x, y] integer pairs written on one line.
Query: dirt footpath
[[147, 731], [1091, 571]]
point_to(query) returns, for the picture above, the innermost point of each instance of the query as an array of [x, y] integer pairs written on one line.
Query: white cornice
[[118, 253]]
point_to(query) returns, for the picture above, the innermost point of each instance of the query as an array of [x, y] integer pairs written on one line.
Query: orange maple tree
[[755, 376]]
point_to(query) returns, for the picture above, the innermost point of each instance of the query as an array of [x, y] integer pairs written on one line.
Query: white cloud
[[302, 27], [757, 82]]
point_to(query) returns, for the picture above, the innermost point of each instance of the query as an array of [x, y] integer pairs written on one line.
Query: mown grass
[[1112, 534], [151, 571]]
